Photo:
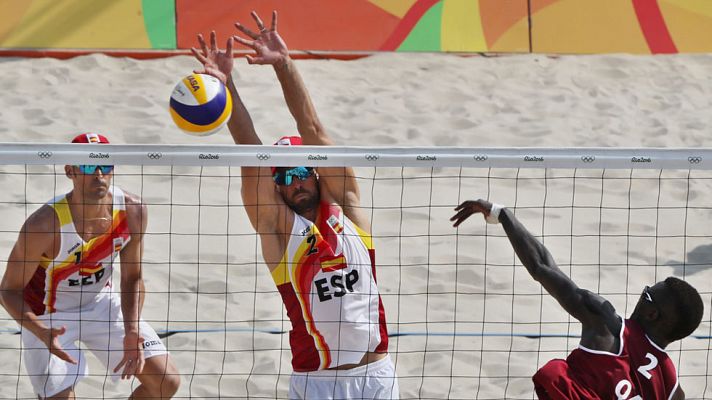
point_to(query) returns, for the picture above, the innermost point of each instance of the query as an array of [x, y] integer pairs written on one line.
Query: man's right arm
[[581, 304], [541, 266], [262, 204], [36, 238]]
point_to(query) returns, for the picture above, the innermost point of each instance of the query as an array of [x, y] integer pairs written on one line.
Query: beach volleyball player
[[58, 286], [616, 358], [315, 240]]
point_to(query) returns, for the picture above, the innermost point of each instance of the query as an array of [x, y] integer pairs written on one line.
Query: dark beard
[[308, 204]]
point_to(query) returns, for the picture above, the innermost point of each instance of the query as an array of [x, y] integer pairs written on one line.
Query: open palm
[[267, 44], [215, 62]]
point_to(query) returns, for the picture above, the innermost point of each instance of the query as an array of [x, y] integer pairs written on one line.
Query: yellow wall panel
[[578, 26], [702, 7], [461, 28], [12, 15], [512, 40], [81, 24], [690, 28]]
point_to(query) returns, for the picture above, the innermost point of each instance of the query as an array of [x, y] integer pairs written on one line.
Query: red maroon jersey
[[639, 371]]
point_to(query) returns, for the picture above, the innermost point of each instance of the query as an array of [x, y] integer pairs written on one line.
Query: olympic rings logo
[[588, 159], [263, 156], [154, 156], [694, 160], [372, 157], [44, 154], [480, 157]]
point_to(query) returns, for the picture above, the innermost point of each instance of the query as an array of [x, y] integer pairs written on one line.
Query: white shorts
[[376, 380], [100, 328]]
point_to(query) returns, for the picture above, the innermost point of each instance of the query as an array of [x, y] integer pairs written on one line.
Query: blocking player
[[315, 241]]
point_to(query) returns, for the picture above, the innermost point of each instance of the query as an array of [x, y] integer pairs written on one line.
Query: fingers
[[249, 43], [228, 47], [129, 370], [129, 367], [198, 56], [59, 331], [246, 31], [458, 222], [461, 216], [213, 41], [259, 22], [120, 364], [141, 362], [63, 355], [203, 46], [274, 21]]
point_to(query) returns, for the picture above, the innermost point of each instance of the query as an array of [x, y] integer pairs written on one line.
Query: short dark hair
[[689, 306]]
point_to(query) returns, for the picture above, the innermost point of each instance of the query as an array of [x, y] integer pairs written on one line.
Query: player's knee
[[163, 387], [170, 385]]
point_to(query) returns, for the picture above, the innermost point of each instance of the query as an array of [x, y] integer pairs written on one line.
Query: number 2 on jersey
[[624, 387]]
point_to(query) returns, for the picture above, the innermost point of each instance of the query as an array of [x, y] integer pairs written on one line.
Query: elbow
[[537, 270]]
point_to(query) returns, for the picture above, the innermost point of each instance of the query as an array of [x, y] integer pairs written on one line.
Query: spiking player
[[616, 358]]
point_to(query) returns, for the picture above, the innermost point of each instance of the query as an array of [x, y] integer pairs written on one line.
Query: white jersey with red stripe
[[81, 271], [327, 279]]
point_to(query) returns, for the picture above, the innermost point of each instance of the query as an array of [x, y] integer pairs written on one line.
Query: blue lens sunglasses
[[90, 169], [284, 178]]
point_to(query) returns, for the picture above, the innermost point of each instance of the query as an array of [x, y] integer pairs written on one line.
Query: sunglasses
[[646, 294], [90, 169], [284, 178]]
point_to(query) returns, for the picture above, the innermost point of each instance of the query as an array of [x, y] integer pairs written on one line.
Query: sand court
[[488, 322]]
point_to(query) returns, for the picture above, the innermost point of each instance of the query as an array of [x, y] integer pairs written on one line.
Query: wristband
[[493, 216]]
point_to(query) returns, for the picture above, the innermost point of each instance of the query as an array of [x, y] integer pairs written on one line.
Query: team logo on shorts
[[150, 343]]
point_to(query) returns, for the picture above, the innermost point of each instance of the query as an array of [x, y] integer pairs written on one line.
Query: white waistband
[[358, 371]]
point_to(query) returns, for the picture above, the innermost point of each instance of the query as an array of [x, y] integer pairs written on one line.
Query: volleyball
[[200, 104]]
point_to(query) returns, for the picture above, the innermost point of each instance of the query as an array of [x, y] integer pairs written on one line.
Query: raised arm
[[263, 205], [271, 50], [595, 313], [35, 241]]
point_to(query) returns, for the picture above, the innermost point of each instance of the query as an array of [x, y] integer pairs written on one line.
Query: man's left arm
[[132, 288]]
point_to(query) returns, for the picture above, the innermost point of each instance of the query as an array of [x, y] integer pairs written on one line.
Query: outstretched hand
[[215, 62], [51, 340], [470, 207], [268, 45]]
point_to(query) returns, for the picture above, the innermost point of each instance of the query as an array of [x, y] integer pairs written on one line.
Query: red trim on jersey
[[305, 271], [382, 327], [305, 356], [34, 292], [100, 248]]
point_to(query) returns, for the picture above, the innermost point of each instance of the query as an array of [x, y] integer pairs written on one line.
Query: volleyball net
[[465, 319]]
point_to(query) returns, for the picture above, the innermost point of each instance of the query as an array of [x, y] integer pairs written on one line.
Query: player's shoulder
[[131, 198], [44, 219], [602, 314], [136, 210]]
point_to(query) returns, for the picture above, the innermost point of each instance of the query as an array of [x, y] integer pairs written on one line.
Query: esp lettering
[[340, 283], [87, 280]]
